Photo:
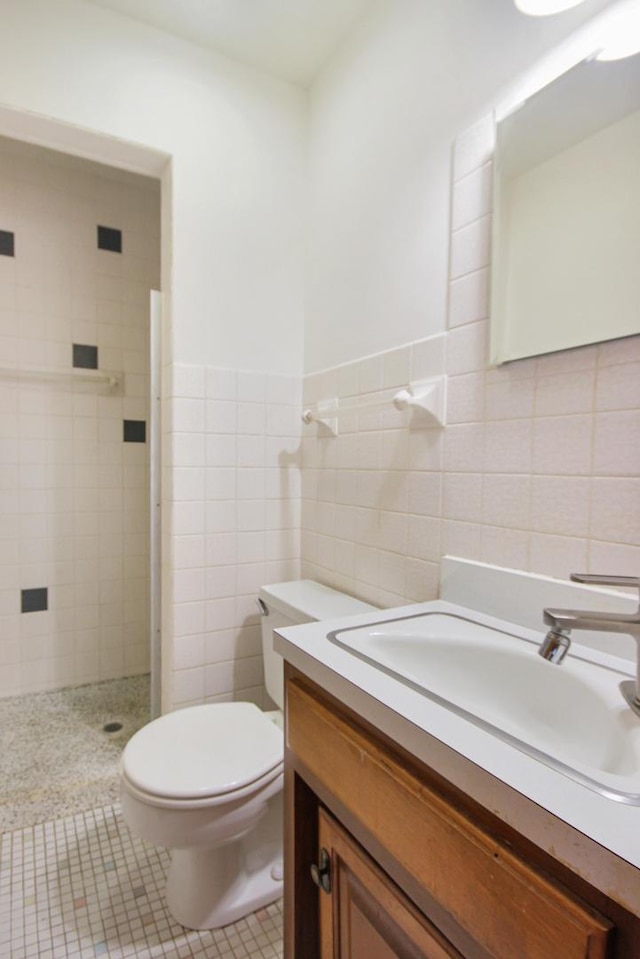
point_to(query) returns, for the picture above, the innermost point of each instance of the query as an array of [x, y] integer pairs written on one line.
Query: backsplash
[[537, 468], [234, 457], [74, 566]]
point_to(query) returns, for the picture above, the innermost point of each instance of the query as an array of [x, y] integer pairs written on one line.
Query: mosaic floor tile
[[83, 887]]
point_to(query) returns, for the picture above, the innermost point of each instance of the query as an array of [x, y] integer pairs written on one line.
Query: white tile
[[221, 450], [466, 349], [221, 613], [472, 196], [348, 380], [427, 357], [252, 387], [251, 451], [396, 367], [188, 483], [371, 374], [187, 686], [188, 551], [188, 415], [474, 147], [469, 298], [221, 384], [471, 247], [188, 652], [220, 516], [251, 418], [466, 398], [221, 416]]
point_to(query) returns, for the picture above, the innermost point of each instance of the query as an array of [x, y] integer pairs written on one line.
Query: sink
[[573, 717]]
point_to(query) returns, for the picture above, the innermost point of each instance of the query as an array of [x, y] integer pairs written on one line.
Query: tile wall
[[73, 457], [234, 459], [537, 469]]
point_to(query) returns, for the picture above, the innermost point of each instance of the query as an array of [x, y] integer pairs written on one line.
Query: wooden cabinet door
[[502, 903], [365, 915]]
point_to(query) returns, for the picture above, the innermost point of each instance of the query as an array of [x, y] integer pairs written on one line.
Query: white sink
[[572, 717]]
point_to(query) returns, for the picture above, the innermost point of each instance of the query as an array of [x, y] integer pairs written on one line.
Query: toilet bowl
[[206, 781]]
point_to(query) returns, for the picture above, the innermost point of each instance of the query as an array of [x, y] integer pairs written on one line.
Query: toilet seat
[[204, 755]]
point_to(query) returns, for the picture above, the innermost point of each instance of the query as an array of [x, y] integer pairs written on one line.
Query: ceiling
[[289, 38]]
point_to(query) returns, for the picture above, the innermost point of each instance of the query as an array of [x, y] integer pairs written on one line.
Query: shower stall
[[79, 256]]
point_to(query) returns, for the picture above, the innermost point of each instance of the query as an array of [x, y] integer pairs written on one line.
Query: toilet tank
[[293, 603]]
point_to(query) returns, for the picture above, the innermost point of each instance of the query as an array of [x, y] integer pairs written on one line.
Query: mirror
[[566, 246]]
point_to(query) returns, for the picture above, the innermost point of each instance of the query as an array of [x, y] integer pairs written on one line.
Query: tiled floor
[[83, 887]]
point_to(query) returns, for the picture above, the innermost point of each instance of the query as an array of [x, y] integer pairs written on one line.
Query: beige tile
[[616, 446], [557, 556], [563, 445], [560, 505], [615, 510]]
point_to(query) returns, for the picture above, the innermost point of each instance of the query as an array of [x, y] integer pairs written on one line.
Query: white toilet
[[206, 781]]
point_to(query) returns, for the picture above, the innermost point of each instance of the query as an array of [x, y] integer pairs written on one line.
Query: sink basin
[[572, 717]]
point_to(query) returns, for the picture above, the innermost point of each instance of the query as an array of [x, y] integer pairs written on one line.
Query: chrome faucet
[[556, 643]]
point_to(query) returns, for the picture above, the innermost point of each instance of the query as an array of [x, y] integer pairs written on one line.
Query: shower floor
[[56, 758]]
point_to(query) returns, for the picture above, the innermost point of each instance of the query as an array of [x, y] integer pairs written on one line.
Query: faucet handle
[[596, 579]]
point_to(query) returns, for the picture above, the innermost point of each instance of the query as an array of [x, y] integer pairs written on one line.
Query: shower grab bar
[[112, 380]]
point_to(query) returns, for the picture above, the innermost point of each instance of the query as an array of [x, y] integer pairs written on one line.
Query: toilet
[[206, 781]]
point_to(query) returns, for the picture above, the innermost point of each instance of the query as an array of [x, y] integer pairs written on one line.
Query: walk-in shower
[[79, 257]]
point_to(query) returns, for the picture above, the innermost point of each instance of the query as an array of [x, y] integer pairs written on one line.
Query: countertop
[[596, 836]]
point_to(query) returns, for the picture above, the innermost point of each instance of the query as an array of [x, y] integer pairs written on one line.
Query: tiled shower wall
[[538, 467], [73, 493], [234, 456]]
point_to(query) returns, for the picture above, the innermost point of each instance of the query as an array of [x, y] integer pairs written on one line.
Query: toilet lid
[[203, 751]]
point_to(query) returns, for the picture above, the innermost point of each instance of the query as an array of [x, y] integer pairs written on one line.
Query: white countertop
[[423, 728]]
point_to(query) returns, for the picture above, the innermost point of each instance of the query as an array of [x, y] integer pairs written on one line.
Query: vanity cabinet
[[405, 866]]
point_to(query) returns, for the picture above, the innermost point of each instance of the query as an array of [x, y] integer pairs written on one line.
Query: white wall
[[236, 138], [384, 116]]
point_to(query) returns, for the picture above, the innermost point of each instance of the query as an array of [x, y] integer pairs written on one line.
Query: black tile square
[[85, 357], [35, 600], [7, 243], [135, 431], [109, 239]]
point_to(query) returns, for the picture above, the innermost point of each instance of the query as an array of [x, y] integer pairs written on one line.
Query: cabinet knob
[[321, 873]]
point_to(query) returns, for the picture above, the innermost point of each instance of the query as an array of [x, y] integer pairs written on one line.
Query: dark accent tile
[[85, 357], [109, 239], [135, 431], [35, 600], [7, 243]]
